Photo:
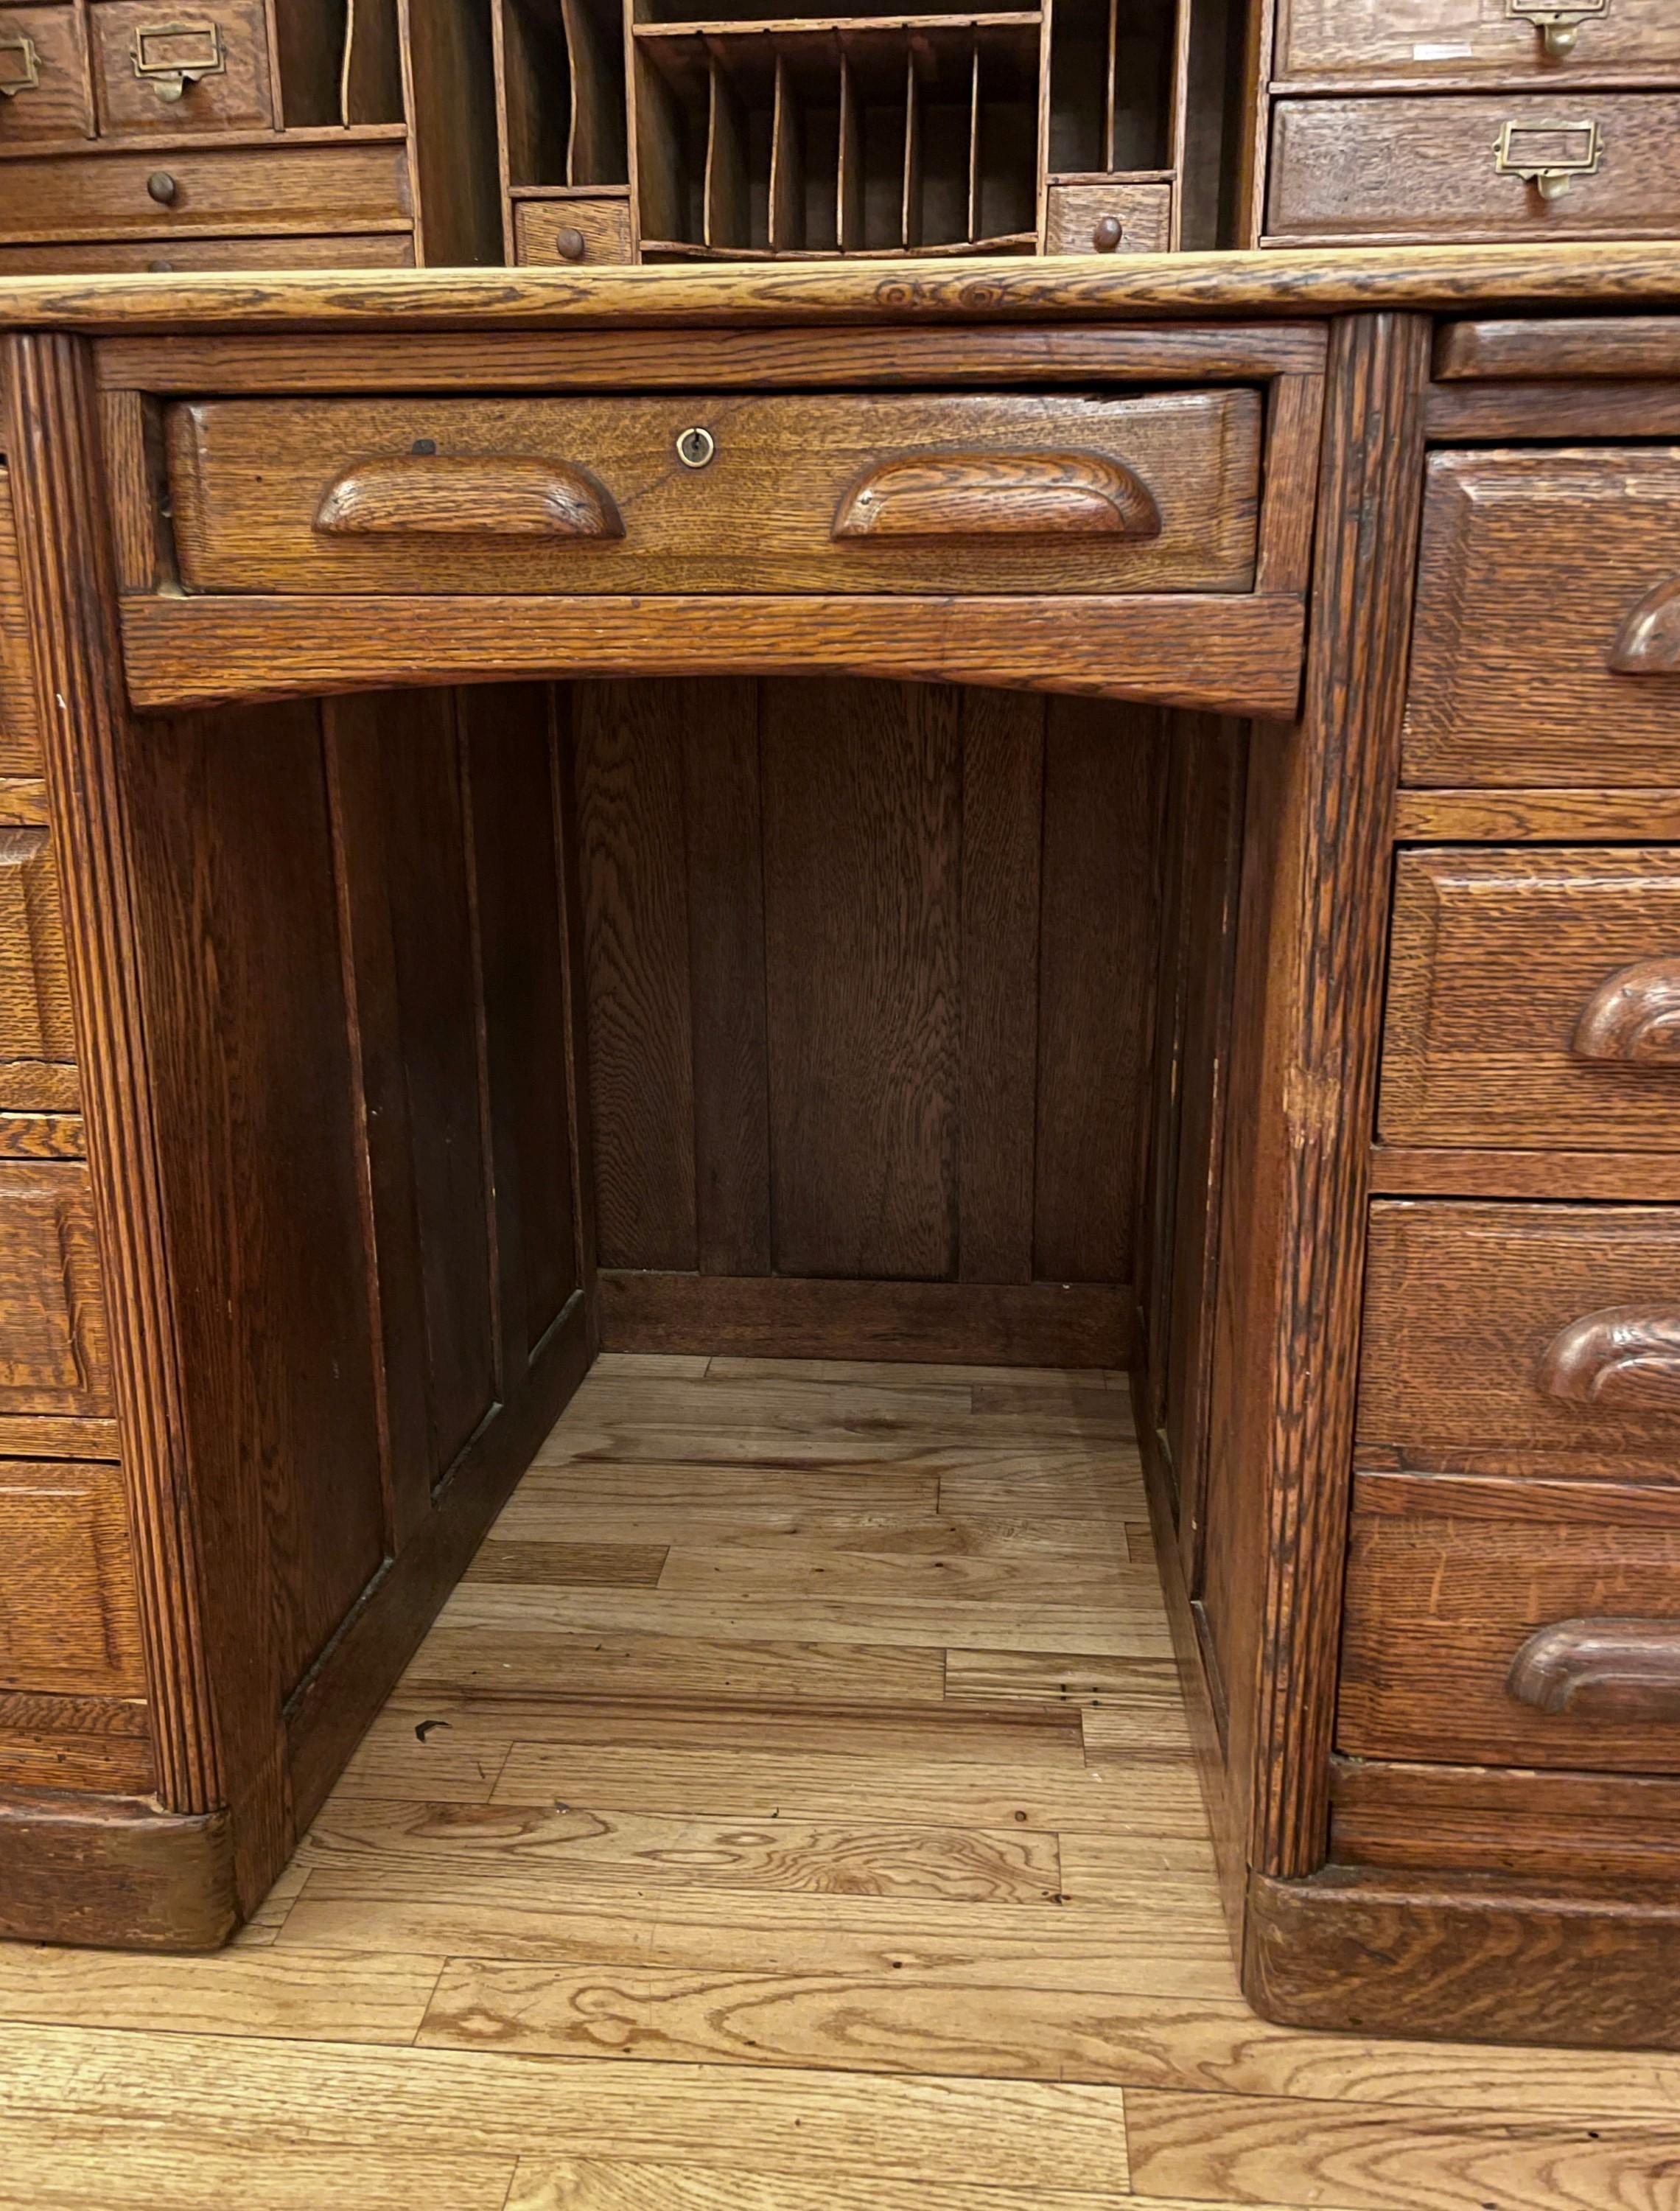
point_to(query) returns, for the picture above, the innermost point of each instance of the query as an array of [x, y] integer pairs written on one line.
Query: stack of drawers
[[1511, 1659], [1425, 120], [72, 1682]]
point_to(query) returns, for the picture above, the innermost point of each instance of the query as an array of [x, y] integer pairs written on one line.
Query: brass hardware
[[169, 57], [1521, 150], [26, 75], [569, 243], [162, 187], [695, 447], [1559, 25], [1108, 233]]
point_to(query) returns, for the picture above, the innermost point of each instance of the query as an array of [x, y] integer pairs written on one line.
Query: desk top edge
[[1440, 279]]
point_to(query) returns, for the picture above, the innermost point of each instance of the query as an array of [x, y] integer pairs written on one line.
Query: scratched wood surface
[[644, 1895]]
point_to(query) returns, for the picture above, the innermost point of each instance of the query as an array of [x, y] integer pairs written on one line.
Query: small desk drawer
[[1453, 38], [1517, 1339], [712, 492], [168, 68], [70, 1621], [151, 257], [45, 89], [1512, 1623], [1081, 213], [1461, 168], [1546, 643], [570, 233], [1534, 1000], [311, 186], [38, 1072], [54, 1353]]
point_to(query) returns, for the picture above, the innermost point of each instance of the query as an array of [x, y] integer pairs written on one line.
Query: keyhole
[[695, 447]]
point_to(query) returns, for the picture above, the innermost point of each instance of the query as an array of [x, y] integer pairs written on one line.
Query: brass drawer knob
[[1108, 232], [1559, 26], [20, 67], [1549, 156], [162, 187]]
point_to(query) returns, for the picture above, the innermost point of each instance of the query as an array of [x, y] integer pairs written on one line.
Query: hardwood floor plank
[[887, 1375], [929, 1572], [383, 1841], [376, 1997], [1232, 2149], [462, 2103], [467, 1740], [121, 2165], [270, 1917], [1162, 1953], [1122, 1629], [1150, 1723], [671, 1365], [1115, 1869], [567, 1566], [465, 1656], [998, 1676], [591, 2184], [550, 1499], [1145, 1798], [1053, 1478]]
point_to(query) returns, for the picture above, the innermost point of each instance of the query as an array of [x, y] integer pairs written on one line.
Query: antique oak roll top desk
[[402, 680]]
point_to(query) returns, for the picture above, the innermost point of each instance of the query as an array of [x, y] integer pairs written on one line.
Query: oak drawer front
[[849, 492], [310, 187], [1518, 40], [572, 233], [54, 1353], [68, 1617], [1105, 214], [1512, 1623], [170, 68], [1523, 1338], [1452, 166], [1534, 1000], [46, 91], [377, 249], [1546, 642]]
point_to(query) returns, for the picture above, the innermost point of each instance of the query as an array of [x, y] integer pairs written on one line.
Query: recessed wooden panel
[[1039, 492], [20, 725], [1496, 961], [862, 885], [37, 1038], [1531, 564], [54, 1352], [99, 1744], [171, 70], [1465, 1306], [44, 65], [1447, 1583], [68, 1617]]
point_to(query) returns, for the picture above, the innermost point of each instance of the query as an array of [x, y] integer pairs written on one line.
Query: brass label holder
[[169, 57], [1551, 173], [1559, 25], [26, 76]]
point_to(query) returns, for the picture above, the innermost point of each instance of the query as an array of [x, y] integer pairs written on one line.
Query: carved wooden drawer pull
[[1648, 641], [467, 495], [1626, 1358], [1634, 1016], [999, 495], [1602, 1670]]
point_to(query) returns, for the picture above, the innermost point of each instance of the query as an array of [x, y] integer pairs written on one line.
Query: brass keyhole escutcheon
[[695, 447]]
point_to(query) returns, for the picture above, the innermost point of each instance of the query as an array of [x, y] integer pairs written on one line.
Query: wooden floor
[[792, 1812]]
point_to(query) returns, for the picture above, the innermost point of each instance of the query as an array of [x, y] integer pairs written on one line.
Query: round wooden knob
[[161, 187], [159, 268], [1108, 233], [570, 244]]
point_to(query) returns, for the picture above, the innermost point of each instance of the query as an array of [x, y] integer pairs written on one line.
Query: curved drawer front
[[1534, 1000], [970, 492]]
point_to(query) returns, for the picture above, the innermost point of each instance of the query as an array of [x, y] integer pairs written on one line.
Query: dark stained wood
[[1002, 806], [1022, 1325], [1615, 1670], [724, 837], [101, 1746], [1385, 1953], [1492, 414], [20, 721], [1304, 1064], [1632, 816], [106, 1871], [863, 913], [70, 1622], [1551, 348], [1097, 937], [1417, 1170]]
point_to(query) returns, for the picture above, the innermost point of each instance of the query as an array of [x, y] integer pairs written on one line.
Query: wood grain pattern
[[1544, 347], [69, 1619]]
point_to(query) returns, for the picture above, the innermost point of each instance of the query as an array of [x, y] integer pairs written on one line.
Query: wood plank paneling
[[863, 889], [1096, 975]]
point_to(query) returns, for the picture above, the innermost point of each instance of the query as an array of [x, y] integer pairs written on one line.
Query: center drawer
[[869, 493]]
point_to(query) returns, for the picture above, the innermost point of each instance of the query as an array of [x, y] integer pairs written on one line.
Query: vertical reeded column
[[70, 589]]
